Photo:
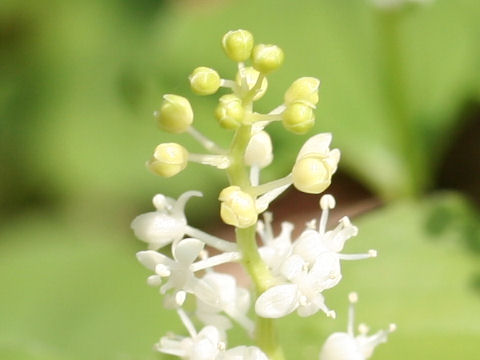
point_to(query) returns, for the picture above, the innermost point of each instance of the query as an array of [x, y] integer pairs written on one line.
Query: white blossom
[[306, 267], [168, 224], [180, 270], [347, 346], [207, 344], [232, 300]]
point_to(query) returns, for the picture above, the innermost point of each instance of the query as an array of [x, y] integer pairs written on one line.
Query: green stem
[[394, 90], [265, 334]]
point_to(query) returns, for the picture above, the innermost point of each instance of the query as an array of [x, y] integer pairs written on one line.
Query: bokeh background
[[78, 84]]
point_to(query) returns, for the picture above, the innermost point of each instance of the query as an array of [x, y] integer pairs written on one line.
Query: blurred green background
[[78, 84]]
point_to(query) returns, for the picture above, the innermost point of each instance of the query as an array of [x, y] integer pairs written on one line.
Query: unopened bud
[[303, 90], [168, 159], [237, 207], [230, 112], [266, 58], [259, 150], [315, 164], [204, 81], [298, 118], [238, 44], [175, 114]]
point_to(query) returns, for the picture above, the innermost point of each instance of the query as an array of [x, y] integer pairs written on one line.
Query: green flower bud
[[204, 81], [175, 114], [266, 58], [250, 76], [230, 112], [298, 118], [238, 44], [168, 159], [303, 90], [237, 207]]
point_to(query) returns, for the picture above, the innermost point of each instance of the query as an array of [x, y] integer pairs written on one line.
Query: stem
[[265, 334], [395, 97]]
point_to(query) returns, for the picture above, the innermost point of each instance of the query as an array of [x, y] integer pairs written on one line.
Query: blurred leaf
[[338, 42]]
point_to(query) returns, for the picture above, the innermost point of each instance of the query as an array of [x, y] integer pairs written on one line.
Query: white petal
[[158, 228], [187, 250], [317, 144], [277, 301], [341, 346], [293, 266], [325, 272], [150, 259]]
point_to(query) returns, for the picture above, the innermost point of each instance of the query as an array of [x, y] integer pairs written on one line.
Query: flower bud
[[238, 44], [168, 159], [266, 58], [298, 118], [230, 112], [250, 76], [259, 150], [303, 90], [204, 81], [237, 207], [315, 165], [175, 114]]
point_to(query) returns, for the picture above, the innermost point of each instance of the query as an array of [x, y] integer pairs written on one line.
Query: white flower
[[243, 353], [303, 293], [208, 344], [166, 224], [347, 346], [305, 268], [180, 270], [205, 345], [275, 250], [232, 300]]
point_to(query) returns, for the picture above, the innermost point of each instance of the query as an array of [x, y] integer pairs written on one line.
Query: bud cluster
[[288, 274]]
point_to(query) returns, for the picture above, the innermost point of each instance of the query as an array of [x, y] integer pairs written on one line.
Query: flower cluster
[[287, 274]]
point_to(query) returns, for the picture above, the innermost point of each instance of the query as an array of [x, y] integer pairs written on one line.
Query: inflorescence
[[288, 274]]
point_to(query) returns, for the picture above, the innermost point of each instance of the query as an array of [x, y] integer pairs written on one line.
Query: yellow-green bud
[[175, 114], [315, 164], [266, 58], [237, 207], [238, 44], [230, 112], [303, 90], [204, 81], [298, 118], [250, 76], [168, 159]]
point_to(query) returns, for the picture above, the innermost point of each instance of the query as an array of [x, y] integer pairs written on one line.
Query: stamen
[[180, 297], [215, 260], [187, 323], [162, 270], [210, 240], [370, 254], [352, 298], [327, 202]]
